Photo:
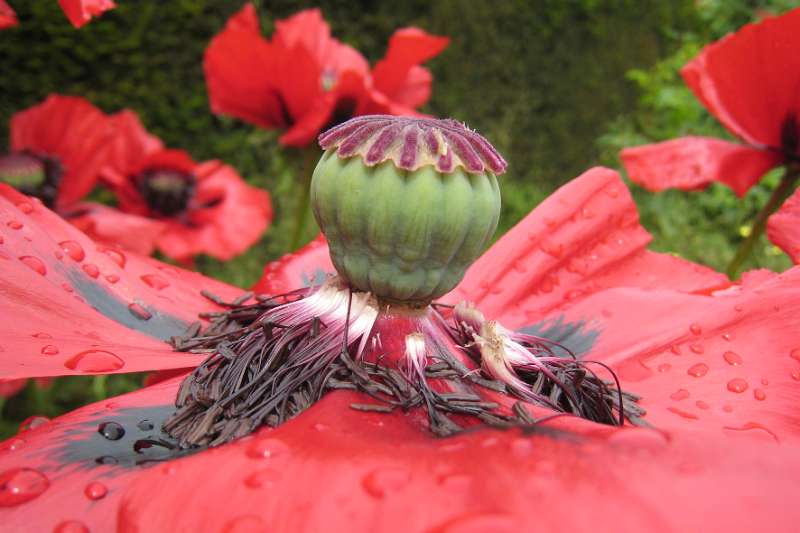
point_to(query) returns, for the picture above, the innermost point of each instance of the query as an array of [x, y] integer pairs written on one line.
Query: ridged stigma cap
[[411, 143]]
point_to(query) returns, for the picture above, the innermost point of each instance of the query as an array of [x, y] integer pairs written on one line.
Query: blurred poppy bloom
[[8, 18], [303, 80], [783, 228], [716, 365], [57, 149], [748, 81], [169, 202], [79, 12]]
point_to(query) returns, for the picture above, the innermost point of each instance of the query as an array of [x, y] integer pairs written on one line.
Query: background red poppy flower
[[713, 361], [79, 12], [783, 227], [8, 18], [748, 81], [168, 201], [71, 135], [303, 80]]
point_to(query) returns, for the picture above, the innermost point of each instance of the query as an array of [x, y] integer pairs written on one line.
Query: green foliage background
[[558, 86]]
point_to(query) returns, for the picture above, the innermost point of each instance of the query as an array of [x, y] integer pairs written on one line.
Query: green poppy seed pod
[[407, 204]]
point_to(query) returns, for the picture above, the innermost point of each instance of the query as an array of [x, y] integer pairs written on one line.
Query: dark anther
[[166, 191]]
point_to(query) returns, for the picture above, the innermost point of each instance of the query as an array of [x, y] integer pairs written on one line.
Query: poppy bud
[[407, 204]]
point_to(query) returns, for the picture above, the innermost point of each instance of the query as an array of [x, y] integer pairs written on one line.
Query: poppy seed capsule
[[407, 204]]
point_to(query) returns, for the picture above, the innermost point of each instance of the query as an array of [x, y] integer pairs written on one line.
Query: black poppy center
[[166, 191], [32, 174], [790, 137]]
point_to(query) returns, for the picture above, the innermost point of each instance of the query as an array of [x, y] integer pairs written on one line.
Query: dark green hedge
[[540, 79]]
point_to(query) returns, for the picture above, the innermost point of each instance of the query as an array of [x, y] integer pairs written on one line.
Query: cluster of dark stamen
[[264, 373]]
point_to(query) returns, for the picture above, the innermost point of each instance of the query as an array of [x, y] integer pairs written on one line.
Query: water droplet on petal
[[74, 250], [682, 414], [680, 394], [245, 524], [664, 368], [25, 207], [12, 445], [701, 404], [71, 526], [145, 425], [139, 311], [49, 350], [155, 281], [95, 490], [15, 224], [795, 354], [106, 460], [696, 348], [728, 408], [727, 336], [94, 361], [20, 485], [695, 329], [675, 348], [699, 370], [111, 430], [737, 385], [383, 481], [261, 479], [91, 270], [764, 381], [33, 422], [796, 376], [266, 448], [759, 395], [480, 523], [112, 278], [34, 263], [115, 255], [42, 336], [732, 358]]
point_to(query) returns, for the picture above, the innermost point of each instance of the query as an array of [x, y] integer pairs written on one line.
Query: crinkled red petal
[[79, 12], [131, 145], [749, 80], [398, 76], [584, 238], [74, 131], [70, 306], [10, 387], [239, 67], [85, 474], [8, 18], [691, 163], [337, 469], [783, 227], [728, 362], [226, 216], [309, 265]]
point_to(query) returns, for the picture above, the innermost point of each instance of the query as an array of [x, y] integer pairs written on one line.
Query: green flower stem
[[779, 195], [309, 157], [99, 387]]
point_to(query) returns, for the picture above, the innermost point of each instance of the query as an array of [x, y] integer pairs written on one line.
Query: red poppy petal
[[305, 130], [582, 239], [749, 80], [8, 18], [691, 163], [306, 29], [81, 308], [74, 131], [79, 12], [113, 227], [395, 75], [308, 265], [336, 469], [11, 387], [74, 473], [783, 227], [239, 67], [299, 77], [728, 362], [236, 217], [131, 144], [246, 19]]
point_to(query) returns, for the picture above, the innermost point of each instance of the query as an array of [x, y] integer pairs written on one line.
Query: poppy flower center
[[32, 174], [166, 191], [790, 137]]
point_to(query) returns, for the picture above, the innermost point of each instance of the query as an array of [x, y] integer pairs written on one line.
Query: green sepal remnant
[[405, 236]]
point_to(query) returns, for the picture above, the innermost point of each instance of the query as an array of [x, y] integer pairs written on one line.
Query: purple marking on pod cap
[[445, 144]]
